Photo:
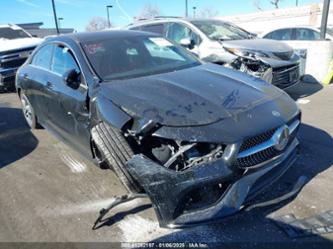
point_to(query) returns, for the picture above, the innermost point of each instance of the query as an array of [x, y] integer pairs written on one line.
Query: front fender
[[103, 109]]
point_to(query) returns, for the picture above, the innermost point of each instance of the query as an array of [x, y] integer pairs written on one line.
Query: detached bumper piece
[[204, 192]]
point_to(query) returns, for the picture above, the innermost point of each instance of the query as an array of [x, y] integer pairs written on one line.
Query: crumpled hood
[[195, 96], [8, 45], [264, 45]]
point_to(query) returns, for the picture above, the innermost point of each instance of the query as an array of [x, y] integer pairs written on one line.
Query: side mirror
[[71, 78], [187, 43]]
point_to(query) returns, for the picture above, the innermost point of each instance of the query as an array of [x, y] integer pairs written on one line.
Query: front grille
[[257, 158], [14, 58], [285, 76], [13, 63], [263, 155], [253, 141]]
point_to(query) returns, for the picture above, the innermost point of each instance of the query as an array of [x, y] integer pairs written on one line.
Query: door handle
[[49, 84], [25, 76]]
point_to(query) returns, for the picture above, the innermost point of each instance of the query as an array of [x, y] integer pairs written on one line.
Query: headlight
[[250, 54]]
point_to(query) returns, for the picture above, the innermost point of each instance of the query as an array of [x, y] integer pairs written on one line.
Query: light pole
[[108, 14], [59, 22], [324, 17], [186, 8], [55, 17], [296, 3], [194, 8]]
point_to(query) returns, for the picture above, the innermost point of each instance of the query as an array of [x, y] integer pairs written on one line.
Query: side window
[[156, 28], [136, 28], [63, 60], [177, 32], [42, 58], [268, 36], [281, 34], [307, 34]]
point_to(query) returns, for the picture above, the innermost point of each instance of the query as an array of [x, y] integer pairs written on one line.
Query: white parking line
[[303, 101], [92, 206], [74, 165], [135, 228]]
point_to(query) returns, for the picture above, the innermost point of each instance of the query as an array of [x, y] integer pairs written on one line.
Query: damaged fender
[[104, 109]]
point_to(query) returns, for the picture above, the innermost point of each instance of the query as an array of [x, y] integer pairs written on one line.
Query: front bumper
[[286, 77], [169, 190], [7, 78]]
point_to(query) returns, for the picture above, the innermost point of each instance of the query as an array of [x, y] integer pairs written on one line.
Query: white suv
[[15, 47], [226, 44]]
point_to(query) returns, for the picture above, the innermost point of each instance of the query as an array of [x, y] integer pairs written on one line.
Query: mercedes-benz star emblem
[[281, 138]]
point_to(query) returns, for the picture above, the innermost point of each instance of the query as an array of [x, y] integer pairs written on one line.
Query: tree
[[257, 4], [148, 11], [275, 3], [208, 12], [97, 23]]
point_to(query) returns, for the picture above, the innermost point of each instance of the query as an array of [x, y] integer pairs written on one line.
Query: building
[[257, 22], [35, 29]]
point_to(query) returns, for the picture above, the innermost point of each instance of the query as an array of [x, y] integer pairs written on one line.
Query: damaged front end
[[191, 182], [252, 66], [250, 62]]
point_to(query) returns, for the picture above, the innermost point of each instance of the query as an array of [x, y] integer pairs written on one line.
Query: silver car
[[226, 44]]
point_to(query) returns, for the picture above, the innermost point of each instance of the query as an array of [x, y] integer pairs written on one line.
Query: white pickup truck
[[15, 47]]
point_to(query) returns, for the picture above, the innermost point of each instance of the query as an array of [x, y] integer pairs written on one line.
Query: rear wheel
[[116, 151], [29, 113]]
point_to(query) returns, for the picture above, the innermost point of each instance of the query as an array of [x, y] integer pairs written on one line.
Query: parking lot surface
[[49, 193]]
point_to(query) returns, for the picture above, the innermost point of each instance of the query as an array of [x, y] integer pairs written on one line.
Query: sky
[[77, 13]]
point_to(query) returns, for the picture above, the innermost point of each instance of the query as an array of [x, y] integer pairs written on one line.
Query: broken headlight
[[179, 155]]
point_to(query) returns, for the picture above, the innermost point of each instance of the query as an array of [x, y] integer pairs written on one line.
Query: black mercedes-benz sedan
[[199, 139]]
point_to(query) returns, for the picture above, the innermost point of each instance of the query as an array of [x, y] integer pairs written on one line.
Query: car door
[[34, 77], [67, 105]]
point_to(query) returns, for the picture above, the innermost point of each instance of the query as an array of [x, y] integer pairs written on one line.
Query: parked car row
[[299, 33], [211, 40], [15, 47]]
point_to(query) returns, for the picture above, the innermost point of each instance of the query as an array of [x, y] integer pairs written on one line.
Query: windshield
[[9, 33], [218, 30], [130, 57]]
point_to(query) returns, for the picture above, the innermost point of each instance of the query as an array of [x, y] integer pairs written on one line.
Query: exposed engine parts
[[179, 156], [252, 66]]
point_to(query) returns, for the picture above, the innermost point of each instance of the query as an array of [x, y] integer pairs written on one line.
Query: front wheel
[[116, 151], [29, 113]]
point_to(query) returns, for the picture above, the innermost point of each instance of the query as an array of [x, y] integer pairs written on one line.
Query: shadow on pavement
[[16, 139], [303, 89], [111, 220]]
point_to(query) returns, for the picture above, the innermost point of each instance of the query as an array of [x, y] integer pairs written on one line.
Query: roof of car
[[175, 19], [99, 35]]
